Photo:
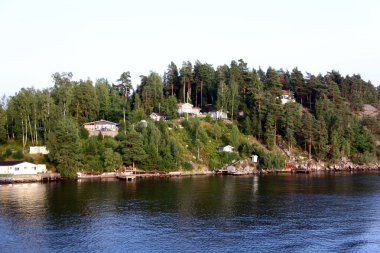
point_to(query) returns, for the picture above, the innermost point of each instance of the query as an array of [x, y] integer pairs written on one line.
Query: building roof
[[181, 104], [158, 114], [10, 163], [102, 121], [224, 146]]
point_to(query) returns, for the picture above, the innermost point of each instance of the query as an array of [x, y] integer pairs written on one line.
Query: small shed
[[38, 150], [225, 148], [156, 116], [255, 158]]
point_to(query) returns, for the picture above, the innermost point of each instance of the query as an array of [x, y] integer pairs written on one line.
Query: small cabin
[[21, 168], [213, 112], [156, 116], [183, 108], [218, 114], [286, 97], [254, 158], [225, 148], [104, 127]]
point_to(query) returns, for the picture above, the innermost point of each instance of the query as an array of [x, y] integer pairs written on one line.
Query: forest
[[326, 121]]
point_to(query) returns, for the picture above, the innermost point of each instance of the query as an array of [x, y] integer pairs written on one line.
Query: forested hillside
[[326, 121]]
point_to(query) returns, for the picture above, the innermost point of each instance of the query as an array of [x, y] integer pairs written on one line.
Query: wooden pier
[[49, 176]]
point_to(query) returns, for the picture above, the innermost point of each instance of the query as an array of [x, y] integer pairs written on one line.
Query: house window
[[34, 168], [25, 168], [17, 169]]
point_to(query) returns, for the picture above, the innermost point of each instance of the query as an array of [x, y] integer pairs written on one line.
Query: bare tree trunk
[[309, 147], [184, 91], [188, 90], [125, 125], [30, 129], [201, 93], [196, 94], [172, 88]]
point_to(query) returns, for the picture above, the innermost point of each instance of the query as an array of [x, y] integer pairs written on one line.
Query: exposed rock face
[[242, 167]]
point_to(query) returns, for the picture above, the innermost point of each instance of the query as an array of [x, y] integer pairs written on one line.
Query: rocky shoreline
[[239, 168]]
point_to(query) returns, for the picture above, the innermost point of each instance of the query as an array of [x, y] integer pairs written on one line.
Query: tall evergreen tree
[[63, 144]]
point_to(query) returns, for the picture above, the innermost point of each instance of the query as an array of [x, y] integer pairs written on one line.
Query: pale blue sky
[[105, 38]]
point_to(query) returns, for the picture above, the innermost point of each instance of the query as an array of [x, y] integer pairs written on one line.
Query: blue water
[[285, 213]]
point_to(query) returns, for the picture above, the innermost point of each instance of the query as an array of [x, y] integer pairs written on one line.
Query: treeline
[[323, 121]]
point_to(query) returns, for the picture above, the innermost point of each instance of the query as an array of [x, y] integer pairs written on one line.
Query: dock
[[49, 176], [300, 170], [127, 176]]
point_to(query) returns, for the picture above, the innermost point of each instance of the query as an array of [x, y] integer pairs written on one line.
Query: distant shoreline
[[4, 180]]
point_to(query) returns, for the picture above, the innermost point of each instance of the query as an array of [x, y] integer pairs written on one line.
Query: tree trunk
[[201, 93], [184, 91], [196, 94], [125, 125], [309, 148], [188, 90]]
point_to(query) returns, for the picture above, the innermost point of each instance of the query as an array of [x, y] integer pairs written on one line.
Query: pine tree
[[307, 131], [132, 149], [3, 123], [270, 131]]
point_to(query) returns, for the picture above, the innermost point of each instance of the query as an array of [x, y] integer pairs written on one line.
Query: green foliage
[[323, 122], [83, 133], [3, 123], [18, 155], [63, 144], [112, 160], [187, 166], [132, 149]]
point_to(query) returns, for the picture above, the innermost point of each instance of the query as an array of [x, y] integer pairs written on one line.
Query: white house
[[286, 97], [106, 128], [213, 112], [38, 150], [156, 116], [225, 148], [21, 168], [218, 114], [183, 108], [254, 158]]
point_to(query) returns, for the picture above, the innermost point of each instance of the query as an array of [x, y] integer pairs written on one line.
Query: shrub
[[187, 166], [18, 155]]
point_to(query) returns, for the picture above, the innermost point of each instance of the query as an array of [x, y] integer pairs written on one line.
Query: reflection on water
[[269, 213]]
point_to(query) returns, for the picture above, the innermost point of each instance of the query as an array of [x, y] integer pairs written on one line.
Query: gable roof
[[10, 163], [225, 146], [102, 121], [182, 104], [157, 114]]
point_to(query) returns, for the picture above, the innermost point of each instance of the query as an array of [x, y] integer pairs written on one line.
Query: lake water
[[287, 213]]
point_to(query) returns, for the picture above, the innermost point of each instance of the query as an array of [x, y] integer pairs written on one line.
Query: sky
[[102, 39]]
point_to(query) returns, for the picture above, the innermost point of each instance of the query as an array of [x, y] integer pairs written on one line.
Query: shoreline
[[38, 178]]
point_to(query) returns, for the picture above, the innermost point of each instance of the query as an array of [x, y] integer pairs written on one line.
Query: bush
[[83, 133], [187, 166], [8, 152], [18, 155]]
